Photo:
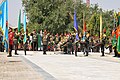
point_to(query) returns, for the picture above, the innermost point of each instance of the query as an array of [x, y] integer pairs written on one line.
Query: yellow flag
[[115, 15], [100, 27]]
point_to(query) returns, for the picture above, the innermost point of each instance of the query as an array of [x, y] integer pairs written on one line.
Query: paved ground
[[35, 66], [69, 67], [14, 68]]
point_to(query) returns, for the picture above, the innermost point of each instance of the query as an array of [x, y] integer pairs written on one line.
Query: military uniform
[[45, 43], [34, 42], [76, 48], [16, 42], [10, 35], [57, 39], [69, 46], [86, 46], [1, 39], [114, 45], [103, 44], [26, 44]]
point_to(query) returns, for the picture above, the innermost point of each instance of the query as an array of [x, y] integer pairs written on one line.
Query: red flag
[[113, 33], [84, 28]]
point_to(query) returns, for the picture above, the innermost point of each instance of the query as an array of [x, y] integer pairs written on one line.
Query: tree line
[[57, 16]]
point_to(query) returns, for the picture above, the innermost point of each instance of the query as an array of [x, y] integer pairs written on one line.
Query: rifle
[[110, 44], [97, 44]]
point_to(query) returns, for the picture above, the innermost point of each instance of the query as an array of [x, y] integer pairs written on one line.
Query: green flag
[[114, 40], [24, 26], [19, 22], [118, 45]]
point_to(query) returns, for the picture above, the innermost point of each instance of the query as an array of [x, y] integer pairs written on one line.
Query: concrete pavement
[[36, 66], [14, 68], [69, 67]]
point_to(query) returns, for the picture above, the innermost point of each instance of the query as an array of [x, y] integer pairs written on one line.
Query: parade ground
[[36, 66]]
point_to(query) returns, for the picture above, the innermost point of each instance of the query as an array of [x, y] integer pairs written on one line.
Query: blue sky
[[16, 5], [14, 8], [107, 4]]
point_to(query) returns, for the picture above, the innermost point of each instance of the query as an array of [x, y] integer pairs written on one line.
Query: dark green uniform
[[1, 39], [34, 46], [103, 45], [86, 46], [16, 42]]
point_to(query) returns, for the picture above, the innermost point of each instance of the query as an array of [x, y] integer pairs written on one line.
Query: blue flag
[[1, 16], [4, 21], [6, 32], [76, 25]]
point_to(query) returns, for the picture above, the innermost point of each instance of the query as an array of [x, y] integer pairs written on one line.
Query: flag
[[3, 5], [0, 15], [88, 3], [100, 27], [114, 40], [19, 22], [118, 18], [4, 22], [76, 25], [6, 31], [84, 28], [115, 16], [24, 25]]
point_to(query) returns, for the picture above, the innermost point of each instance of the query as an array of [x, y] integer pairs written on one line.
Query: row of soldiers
[[61, 42], [88, 44], [68, 43]]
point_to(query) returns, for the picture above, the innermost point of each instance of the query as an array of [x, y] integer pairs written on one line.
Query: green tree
[[54, 15], [49, 14]]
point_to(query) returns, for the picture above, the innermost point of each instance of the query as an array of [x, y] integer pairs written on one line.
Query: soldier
[[69, 44], [73, 38], [110, 45], [26, 43], [10, 35], [39, 36], [103, 43], [34, 41], [16, 36], [86, 45], [45, 42], [1, 39], [76, 44], [114, 43], [57, 39]]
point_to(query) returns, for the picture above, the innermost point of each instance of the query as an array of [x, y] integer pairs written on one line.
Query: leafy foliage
[[55, 15]]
